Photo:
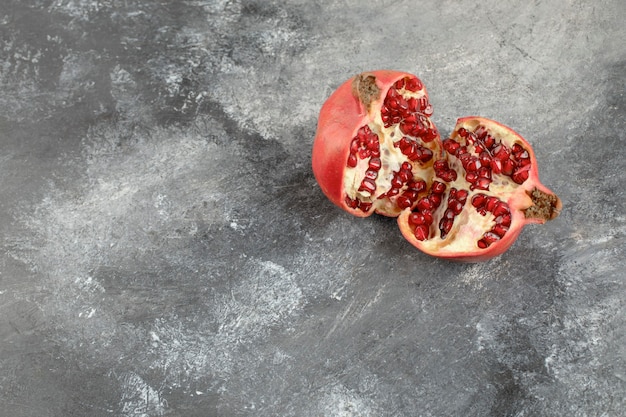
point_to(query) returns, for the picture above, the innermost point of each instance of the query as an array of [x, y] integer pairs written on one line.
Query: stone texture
[[164, 248]]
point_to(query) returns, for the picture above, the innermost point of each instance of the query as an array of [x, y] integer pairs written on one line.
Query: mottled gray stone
[[165, 250]]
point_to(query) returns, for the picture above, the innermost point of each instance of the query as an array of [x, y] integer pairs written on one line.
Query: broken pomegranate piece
[[465, 198]]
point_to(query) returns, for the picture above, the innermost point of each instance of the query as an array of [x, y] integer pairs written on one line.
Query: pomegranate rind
[[520, 200], [341, 115]]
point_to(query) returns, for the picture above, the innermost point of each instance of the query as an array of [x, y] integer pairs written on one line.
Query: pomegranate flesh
[[464, 198]]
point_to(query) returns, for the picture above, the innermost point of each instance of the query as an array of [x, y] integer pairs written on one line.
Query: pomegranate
[[375, 144], [465, 198], [488, 189]]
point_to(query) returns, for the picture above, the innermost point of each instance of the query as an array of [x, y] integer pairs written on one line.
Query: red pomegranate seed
[[413, 84], [417, 219], [371, 174], [352, 203], [352, 160], [424, 204], [521, 174], [450, 146], [491, 203], [479, 200], [500, 209], [461, 195], [490, 237], [508, 166], [499, 230], [365, 206], [399, 84], [421, 232], [481, 184], [438, 187], [504, 220], [489, 141], [496, 166], [445, 225], [368, 185], [375, 164], [435, 199], [403, 202]]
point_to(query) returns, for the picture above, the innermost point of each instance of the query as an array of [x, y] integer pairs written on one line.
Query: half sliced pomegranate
[[375, 144], [488, 189], [466, 198]]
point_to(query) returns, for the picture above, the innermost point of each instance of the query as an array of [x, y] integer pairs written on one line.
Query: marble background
[[165, 250]]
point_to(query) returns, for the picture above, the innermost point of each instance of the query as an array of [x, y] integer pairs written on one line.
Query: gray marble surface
[[165, 250]]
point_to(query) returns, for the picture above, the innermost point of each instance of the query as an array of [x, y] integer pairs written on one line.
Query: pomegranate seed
[[490, 237], [421, 232], [399, 84], [417, 219], [404, 176], [508, 166], [489, 141], [504, 220], [352, 203], [479, 200], [483, 244], [368, 185], [480, 132], [371, 174], [449, 214], [438, 187], [411, 195], [396, 181], [427, 154], [521, 174], [403, 202], [364, 153], [448, 176], [428, 217], [523, 162], [424, 204], [501, 152], [422, 103], [435, 199], [517, 149], [413, 104], [481, 184], [413, 84], [485, 158], [456, 206], [461, 195], [365, 206], [471, 177], [463, 132], [450, 146], [499, 230], [500, 209], [491, 203], [445, 225], [473, 165], [496, 166], [484, 172], [375, 164], [352, 160], [418, 186]]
